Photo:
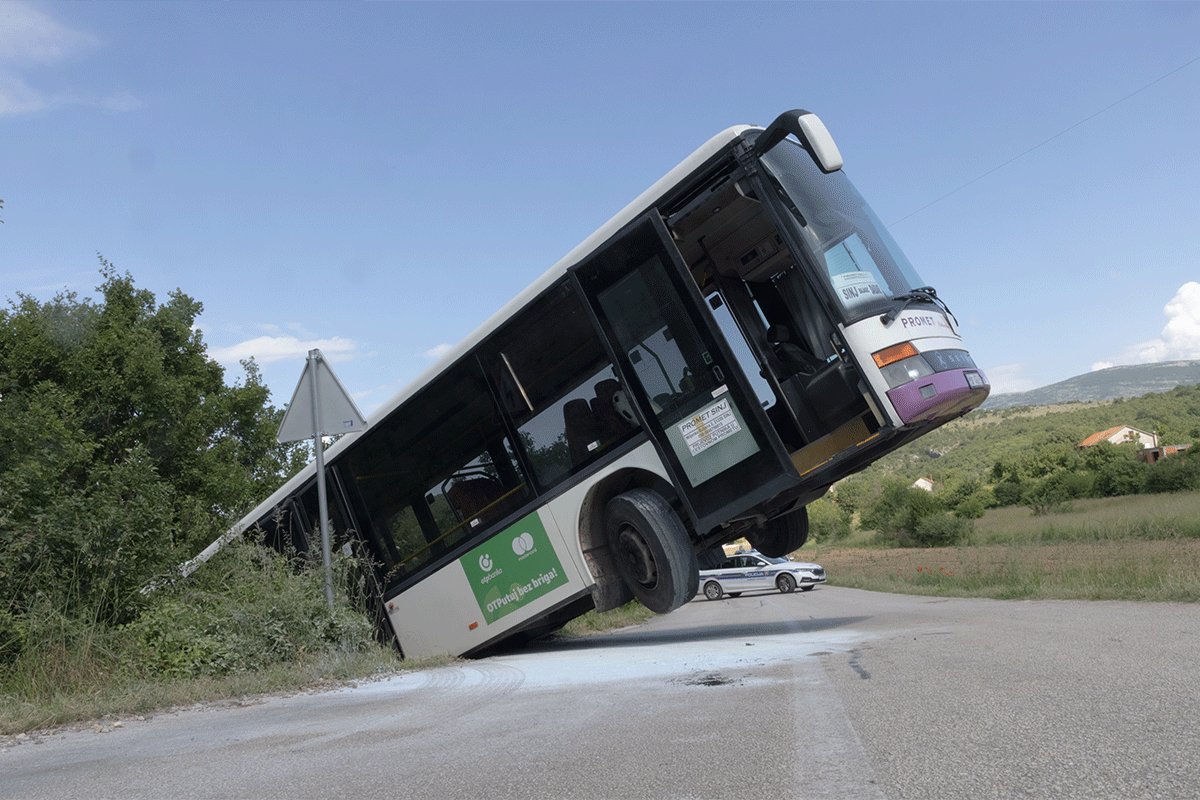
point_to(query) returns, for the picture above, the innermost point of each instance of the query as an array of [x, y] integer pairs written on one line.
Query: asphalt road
[[834, 693]]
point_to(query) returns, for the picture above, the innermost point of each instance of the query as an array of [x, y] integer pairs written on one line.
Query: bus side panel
[[519, 573], [568, 508]]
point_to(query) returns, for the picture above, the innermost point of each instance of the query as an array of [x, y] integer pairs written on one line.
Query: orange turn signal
[[897, 352]]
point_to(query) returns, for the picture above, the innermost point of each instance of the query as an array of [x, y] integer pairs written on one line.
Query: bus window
[[436, 473], [558, 387], [283, 530]]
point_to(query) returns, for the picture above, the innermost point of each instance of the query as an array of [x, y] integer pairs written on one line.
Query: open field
[[1118, 570], [1143, 516], [1144, 547]]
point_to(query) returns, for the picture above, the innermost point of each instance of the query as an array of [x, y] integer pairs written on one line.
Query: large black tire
[[783, 535], [651, 550]]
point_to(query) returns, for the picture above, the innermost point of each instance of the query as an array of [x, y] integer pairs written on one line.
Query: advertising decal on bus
[[513, 568]]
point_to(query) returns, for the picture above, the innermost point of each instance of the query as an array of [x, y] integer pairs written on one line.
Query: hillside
[[970, 446], [1105, 384]]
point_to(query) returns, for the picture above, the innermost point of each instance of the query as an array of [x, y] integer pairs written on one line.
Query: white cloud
[[269, 349], [29, 38], [1099, 365], [1007, 378], [1180, 337], [18, 97], [437, 351]]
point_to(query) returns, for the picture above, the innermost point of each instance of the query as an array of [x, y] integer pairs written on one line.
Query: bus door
[[682, 380]]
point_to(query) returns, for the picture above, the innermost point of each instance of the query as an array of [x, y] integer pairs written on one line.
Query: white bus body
[[700, 368]]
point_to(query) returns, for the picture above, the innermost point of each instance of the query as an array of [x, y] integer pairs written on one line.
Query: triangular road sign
[[319, 388]]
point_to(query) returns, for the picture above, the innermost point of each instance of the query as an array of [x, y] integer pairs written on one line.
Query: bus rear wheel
[[782, 535], [651, 549]]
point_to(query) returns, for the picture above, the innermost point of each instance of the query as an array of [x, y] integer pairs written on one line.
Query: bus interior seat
[[469, 495], [795, 359], [612, 425], [580, 428]]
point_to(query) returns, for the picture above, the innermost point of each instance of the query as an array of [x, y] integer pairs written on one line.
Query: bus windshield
[[860, 260]]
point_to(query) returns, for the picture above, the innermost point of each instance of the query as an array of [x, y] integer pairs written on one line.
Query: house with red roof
[[1121, 434]]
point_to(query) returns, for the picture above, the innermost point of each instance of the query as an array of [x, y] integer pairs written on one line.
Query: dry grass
[[116, 696], [1164, 570], [1143, 547], [1147, 516], [632, 613]]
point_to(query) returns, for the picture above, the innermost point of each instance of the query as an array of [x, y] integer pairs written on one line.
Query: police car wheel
[[713, 590], [785, 583]]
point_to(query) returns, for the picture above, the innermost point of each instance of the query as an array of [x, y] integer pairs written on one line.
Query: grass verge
[[90, 694], [83, 688], [632, 613], [1144, 547]]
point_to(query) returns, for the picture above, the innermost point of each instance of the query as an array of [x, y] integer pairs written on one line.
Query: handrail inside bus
[[449, 531]]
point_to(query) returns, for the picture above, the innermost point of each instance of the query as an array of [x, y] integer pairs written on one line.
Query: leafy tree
[[903, 515], [940, 529], [122, 450], [1179, 473], [1008, 492], [1117, 469], [827, 521]]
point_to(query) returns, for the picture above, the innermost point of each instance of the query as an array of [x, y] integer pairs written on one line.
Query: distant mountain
[[1105, 384]]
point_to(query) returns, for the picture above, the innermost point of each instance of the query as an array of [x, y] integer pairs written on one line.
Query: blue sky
[[376, 179]]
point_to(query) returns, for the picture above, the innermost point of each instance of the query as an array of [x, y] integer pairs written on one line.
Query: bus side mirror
[[812, 133]]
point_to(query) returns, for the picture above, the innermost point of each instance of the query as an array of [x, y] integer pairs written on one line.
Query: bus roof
[[639, 205]]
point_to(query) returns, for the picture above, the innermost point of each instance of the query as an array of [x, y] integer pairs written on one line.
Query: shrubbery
[[247, 609], [122, 453], [827, 521], [909, 517]]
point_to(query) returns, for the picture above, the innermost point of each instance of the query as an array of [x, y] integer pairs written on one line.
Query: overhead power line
[[1047, 141]]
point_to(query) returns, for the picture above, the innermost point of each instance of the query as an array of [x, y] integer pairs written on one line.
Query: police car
[[751, 571]]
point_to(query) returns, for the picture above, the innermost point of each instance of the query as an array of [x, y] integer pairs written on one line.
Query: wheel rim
[[636, 555], [786, 584], [712, 591]]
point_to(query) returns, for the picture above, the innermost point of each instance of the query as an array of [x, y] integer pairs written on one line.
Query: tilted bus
[[740, 336]]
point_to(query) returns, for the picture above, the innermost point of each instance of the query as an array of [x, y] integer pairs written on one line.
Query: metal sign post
[[329, 412]]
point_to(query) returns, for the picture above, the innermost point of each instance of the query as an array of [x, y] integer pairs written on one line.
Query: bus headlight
[[902, 372]]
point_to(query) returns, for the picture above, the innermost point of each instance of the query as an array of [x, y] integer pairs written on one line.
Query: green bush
[[122, 452], [1118, 470], [940, 529], [1179, 473], [248, 608], [1046, 495], [898, 512], [827, 521], [1008, 492], [972, 507]]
